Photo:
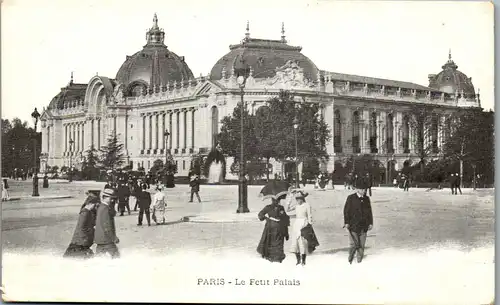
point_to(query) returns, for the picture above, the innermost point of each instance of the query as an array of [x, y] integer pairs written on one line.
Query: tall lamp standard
[[242, 186], [166, 134], [35, 115], [295, 126], [70, 173]]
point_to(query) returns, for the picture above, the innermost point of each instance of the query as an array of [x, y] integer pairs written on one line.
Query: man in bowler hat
[[358, 219], [105, 230]]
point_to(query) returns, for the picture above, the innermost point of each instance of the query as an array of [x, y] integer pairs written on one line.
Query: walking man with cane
[[358, 219]]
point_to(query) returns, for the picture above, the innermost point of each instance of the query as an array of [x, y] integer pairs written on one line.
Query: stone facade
[[365, 115]]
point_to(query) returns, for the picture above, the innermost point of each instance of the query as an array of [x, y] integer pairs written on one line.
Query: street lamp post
[[166, 134], [242, 186], [70, 172], [295, 126], [35, 115]]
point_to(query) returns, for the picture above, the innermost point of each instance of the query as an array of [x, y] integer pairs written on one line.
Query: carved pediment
[[207, 88], [292, 75]]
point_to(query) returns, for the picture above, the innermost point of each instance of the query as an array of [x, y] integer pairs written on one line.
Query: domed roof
[[71, 95], [450, 80], [263, 56], [154, 64]]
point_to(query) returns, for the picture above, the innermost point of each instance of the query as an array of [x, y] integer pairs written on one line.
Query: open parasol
[[274, 189]]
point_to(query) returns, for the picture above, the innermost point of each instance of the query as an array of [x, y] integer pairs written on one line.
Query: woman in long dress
[[275, 231], [302, 225], [83, 237]]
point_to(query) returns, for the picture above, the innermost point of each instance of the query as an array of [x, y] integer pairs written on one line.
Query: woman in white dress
[[303, 218]]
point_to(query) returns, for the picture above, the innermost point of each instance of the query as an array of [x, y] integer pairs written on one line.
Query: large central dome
[[154, 65], [263, 56]]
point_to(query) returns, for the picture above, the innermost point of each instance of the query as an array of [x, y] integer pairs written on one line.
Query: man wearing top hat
[[105, 230], [358, 219]]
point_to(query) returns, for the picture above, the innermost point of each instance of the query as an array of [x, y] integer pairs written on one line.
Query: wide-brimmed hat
[[301, 195], [109, 193]]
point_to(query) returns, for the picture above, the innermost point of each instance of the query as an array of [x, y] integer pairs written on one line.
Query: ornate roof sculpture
[[263, 56], [452, 81], [70, 96], [154, 65]]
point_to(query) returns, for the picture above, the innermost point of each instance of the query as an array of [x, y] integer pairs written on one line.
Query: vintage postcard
[[252, 152]]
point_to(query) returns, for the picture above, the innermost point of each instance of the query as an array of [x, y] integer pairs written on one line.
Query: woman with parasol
[[277, 221], [303, 237]]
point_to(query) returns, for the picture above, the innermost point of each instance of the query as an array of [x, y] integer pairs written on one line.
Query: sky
[[44, 41]]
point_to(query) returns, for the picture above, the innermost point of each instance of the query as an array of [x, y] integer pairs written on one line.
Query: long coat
[[105, 230], [195, 185], [144, 199], [358, 213], [272, 239], [84, 231]]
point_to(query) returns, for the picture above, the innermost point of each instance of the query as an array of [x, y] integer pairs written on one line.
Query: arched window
[[136, 90], [373, 133], [355, 133], [215, 125], [406, 134], [337, 127], [390, 133]]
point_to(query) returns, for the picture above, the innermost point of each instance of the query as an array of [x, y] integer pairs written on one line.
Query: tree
[[420, 121], [17, 146], [112, 154], [196, 165], [276, 130], [90, 168], [230, 135], [472, 142], [270, 133], [158, 168]]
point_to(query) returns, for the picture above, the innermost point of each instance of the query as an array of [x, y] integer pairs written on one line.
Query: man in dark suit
[[195, 187], [123, 193], [105, 230], [144, 202], [358, 219], [453, 182]]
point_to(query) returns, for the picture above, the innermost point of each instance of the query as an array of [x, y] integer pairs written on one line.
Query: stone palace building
[[154, 90]]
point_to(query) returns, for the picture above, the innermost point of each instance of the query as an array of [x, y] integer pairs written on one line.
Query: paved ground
[[414, 221]]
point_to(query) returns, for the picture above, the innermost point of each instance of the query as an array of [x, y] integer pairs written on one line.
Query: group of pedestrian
[[303, 238], [96, 224], [358, 220]]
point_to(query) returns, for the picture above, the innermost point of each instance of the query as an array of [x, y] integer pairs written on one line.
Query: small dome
[[263, 56], [450, 80], [154, 65], [72, 95]]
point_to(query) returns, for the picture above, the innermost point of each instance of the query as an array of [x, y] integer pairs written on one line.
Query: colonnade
[[180, 123], [364, 131], [74, 131]]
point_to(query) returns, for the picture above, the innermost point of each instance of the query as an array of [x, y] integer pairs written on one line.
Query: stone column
[[174, 132], [161, 130], [182, 129], [167, 127], [441, 127], [65, 138], [154, 127], [193, 127], [77, 137], [149, 132], [189, 128]]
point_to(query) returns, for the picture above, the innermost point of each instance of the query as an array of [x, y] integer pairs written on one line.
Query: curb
[[39, 197], [205, 219]]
